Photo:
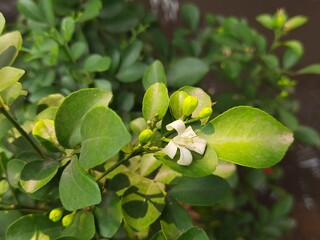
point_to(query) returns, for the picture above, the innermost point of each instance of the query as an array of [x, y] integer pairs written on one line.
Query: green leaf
[[44, 132], [247, 136], [194, 233], [174, 220], [67, 28], [288, 119], [33, 227], [14, 168], [122, 22], [155, 102], [6, 218], [308, 135], [200, 166], [148, 164], [282, 207], [47, 9], [131, 73], [186, 71], [108, 215], [82, 226], [176, 100], [191, 15], [265, 20], [9, 76], [293, 54], [295, 22], [10, 94], [97, 63], [73, 109], [31, 10], [10, 44], [159, 236], [311, 69], [2, 22], [91, 10], [154, 74], [103, 134], [142, 204], [77, 188], [131, 54], [37, 174], [205, 191]]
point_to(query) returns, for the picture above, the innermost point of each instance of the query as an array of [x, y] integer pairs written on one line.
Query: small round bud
[[205, 112], [189, 104], [56, 214], [67, 220], [280, 19], [146, 135]]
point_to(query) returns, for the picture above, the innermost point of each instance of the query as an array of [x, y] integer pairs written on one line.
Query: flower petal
[[188, 133], [197, 145], [178, 125], [170, 149], [185, 157]]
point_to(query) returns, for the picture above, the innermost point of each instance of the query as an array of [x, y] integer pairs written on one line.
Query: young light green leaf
[[186, 71], [108, 215], [72, 110], [153, 74], [30, 10], [67, 28], [295, 22], [77, 188], [44, 132], [131, 73], [176, 100], [91, 10], [37, 174], [265, 20], [103, 134], [155, 102], [10, 94], [148, 164], [142, 204], [247, 136], [2, 22], [205, 191], [33, 226], [82, 227], [191, 15], [194, 233], [311, 69], [9, 76], [97, 63]]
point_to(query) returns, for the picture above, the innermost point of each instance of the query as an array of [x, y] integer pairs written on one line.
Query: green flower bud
[[280, 19], [189, 104], [56, 214], [67, 220], [205, 112], [146, 135]]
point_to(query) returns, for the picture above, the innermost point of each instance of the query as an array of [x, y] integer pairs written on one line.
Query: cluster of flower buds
[[56, 215]]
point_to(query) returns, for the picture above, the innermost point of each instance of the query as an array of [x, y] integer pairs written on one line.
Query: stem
[[21, 131], [23, 209]]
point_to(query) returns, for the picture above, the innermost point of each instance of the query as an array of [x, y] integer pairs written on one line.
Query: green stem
[[23, 209], [21, 131]]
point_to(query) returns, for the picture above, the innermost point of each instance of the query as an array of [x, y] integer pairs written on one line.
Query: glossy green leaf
[[154, 74], [108, 215], [9, 76], [44, 132], [77, 188], [176, 100], [191, 15], [200, 166], [174, 220], [194, 233], [103, 134], [33, 227], [6, 218], [308, 135], [10, 44], [67, 28], [247, 136], [311, 69], [131, 54], [295, 22], [82, 227], [205, 191], [97, 63], [46, 8], [36, 174], [265, 20], [14, 168], [131, 73], [31, 10], [155, 102], [91, 10], [142, 204], [2, 22], [72, 110], [186, 71]]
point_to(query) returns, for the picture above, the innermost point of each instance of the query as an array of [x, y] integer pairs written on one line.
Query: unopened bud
[[189, 104], [146, 135], [67, 220], [280, 18], [56, 214], [205, 112]]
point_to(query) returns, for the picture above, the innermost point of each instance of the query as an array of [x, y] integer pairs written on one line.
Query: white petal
[[197, 145], [188, 133], [185, 157], [178, 125], [171, 149]]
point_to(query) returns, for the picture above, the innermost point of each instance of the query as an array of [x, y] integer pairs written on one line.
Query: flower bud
[[145, 135], [67, 220], [189, 104], [280, 19], [56, 214], [205, 112]]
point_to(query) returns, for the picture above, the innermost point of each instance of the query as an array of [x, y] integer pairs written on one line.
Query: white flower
[[186, 140]]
